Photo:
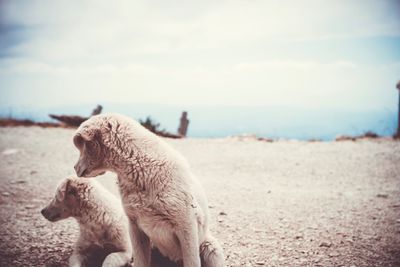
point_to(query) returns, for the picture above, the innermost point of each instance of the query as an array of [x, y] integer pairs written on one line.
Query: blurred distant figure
[[183, 126], [97, 110]]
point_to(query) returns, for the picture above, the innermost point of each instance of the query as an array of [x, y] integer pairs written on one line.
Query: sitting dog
[[104, 235], [165, 203]]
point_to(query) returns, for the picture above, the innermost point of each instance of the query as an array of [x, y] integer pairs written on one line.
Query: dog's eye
[[91, 147], [71, 191]]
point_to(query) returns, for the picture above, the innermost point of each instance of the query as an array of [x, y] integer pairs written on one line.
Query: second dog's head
[[66, 201]]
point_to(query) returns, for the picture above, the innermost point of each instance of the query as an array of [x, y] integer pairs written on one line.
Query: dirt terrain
[[285, 203]]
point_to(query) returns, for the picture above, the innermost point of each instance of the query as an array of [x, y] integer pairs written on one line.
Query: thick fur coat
[[166, 205], [104, 234]]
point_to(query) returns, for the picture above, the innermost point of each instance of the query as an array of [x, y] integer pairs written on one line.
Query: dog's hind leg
[[211, 253], [117, 259], [76, 260]]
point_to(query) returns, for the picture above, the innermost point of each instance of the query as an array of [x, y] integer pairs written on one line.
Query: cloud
[[309, 84], [195, 53], [70, 30]]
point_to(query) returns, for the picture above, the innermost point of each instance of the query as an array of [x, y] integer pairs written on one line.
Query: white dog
[[104, 235], [163, 200]]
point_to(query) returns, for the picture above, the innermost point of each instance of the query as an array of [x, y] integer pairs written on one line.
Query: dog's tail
[[211, 253]]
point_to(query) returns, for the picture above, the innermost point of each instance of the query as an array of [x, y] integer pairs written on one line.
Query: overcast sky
[[338, 54]]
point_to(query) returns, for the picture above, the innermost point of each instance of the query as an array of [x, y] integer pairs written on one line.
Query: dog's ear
[[70, 190], [88, 134], [78, 141], [61, 189], [66, 189]]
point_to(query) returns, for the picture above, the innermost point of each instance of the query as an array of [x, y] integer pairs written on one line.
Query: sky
[[342, 54]]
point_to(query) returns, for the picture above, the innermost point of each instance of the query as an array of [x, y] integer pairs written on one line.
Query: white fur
[[102, 222], [164, 202]]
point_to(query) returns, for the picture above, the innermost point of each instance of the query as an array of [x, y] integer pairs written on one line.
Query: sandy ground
[[286, 203]]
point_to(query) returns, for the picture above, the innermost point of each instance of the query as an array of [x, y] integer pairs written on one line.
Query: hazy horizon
[[222, 121]]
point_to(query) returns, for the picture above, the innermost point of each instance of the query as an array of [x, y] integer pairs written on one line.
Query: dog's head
[[65, 202], [89, 140]]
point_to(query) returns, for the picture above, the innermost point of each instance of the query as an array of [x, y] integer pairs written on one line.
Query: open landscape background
[[222, 121], [303, 70], [292, 71]]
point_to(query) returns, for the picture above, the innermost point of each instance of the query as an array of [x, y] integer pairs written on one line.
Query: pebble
[[325, 244], [10, 151], [6, 194], [334, 254], [18, 182], [382, 195], [260, 262]]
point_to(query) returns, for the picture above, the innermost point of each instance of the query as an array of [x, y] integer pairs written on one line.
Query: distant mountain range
[[273, 122]]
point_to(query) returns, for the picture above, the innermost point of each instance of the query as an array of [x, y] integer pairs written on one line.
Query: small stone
[[222, 213], [19, 182], [9, 151], [28, 207], [6, 194], [274, 258], [334, 254], [260, 262], [33, 172], [382, 195], [325, 244]]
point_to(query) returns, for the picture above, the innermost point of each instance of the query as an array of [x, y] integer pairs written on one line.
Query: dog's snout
[[80, 169]]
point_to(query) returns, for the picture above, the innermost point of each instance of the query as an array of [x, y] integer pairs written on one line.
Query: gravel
[[285, 203]]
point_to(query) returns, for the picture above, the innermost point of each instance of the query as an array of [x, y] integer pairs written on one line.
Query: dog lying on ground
[[104, 234]]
